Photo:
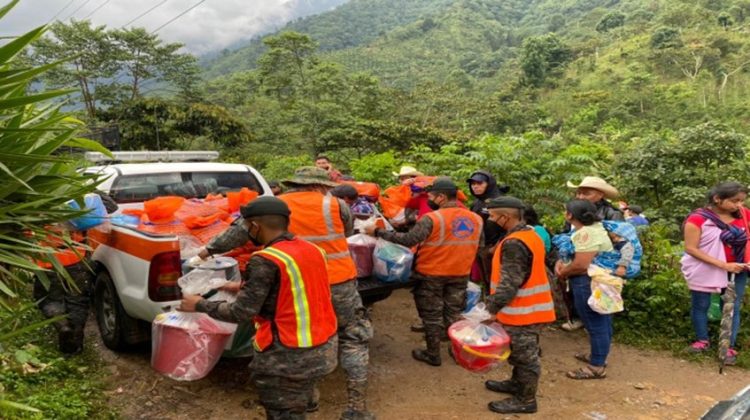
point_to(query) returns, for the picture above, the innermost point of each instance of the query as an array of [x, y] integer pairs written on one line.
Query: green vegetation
[[36, 183]]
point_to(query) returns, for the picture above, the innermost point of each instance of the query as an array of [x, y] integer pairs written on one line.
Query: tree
[[142, 56], [610, 21], [725, 20], [666, 37], [543, 57], [111, 66], [157, 124], [92, 64]]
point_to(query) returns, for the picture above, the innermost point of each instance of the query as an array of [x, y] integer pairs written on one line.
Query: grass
[[34, 373]]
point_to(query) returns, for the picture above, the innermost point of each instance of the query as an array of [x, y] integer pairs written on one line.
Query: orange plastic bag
[[242, 254], [425, 181], [174, 227], [162, 209], [368, 189], [205, 234], [240, 198], [394, 200]]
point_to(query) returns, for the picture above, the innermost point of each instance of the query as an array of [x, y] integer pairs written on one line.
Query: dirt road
[[639, 385]]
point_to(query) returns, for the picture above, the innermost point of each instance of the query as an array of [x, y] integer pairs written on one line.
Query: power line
[[178, 16], [145, 13], [77, 9], [61, 10], [96, 10]]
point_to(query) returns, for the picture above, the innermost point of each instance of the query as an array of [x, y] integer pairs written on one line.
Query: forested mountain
[[354, 23]]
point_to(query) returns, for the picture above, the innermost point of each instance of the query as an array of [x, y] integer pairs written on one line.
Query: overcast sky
[[213, 25]]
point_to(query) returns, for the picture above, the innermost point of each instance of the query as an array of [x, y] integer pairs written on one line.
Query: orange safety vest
[[533, 303], [304, 314], [452, 246], [316, 218], [65, 255]]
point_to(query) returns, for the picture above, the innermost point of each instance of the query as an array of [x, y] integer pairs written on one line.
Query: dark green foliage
[[543, 57], [664, 38], [610, 21]]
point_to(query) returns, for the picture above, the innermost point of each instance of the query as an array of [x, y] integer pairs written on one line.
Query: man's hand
[[204, 254], [558, 269], [188, 303], [620, 272], [370, 229], [232, 287]]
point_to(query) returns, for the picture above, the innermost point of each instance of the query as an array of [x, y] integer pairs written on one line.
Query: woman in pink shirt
[[715, 241]]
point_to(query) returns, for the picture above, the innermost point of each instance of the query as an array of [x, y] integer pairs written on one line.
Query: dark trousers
[[598, 326], [283, 398], [61, 298], [524, 357], [439, 302]]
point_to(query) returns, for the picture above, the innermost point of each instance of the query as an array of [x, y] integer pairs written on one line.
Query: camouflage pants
[[62, 298], [524, 357], [439, 302], [285, 378], [284, 398], [355, 330]]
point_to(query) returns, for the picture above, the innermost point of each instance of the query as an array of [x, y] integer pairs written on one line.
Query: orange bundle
[[205, 234], [394, 200], [240, 198], [174, 227], [162, 209], [366, 189]]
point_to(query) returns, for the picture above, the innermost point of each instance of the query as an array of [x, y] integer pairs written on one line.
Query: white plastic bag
[[361, 247], [190, 246], [606, 291], [391, 262], [473, 295], [478, 313], [198, 282], [185, 346]]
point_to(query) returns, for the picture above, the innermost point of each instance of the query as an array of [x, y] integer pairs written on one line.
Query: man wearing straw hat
[[598, 191], [326, 221]]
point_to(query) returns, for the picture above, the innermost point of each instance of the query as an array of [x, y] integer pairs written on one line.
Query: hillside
[[354, 23]]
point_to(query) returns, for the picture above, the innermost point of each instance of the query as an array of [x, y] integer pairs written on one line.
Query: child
[[626, 250]]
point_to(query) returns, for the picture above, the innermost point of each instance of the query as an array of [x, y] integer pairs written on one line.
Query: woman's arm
[[579, 265], [692, 239]]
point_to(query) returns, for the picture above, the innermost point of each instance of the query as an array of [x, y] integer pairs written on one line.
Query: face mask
[[433, 205], [254, 239], [492, 225]]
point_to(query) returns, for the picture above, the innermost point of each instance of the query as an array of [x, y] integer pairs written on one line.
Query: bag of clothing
[[362, 246], [392, 262], [606, 291], [473, 295]]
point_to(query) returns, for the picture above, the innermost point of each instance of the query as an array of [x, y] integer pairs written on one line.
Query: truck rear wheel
[[119, 331]]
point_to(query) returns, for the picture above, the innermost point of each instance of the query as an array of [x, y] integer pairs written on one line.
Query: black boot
[[426, 357], [69, 341], [506, 387], [513, 405], [357, 407]]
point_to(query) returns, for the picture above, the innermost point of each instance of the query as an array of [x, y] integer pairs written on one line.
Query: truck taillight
[[163, 273]]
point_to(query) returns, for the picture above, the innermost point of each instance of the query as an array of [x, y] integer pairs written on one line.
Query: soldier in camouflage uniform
[[443, 264], [66, 298], [355, 329], [519, 272], [285, 377]]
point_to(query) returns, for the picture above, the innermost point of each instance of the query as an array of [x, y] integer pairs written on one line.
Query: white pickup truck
[[137, 272]]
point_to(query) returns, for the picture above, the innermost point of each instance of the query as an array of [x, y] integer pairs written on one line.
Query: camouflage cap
[[442, 184], [310, 175], [505, 202]]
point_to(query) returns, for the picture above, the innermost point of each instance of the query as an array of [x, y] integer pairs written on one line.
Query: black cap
[[265, 206], [479, 177], [635, 209], [274, 184], [345, 191], [505, 202], [443, 184]]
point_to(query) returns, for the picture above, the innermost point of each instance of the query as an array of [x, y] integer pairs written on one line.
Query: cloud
[[210, 27]]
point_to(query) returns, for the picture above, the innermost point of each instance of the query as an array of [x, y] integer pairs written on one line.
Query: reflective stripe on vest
[[452, 246], [533, 302], [304, 315], [317, 218]]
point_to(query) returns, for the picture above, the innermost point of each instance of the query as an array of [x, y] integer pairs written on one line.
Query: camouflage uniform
[[439, 299], [354, 328], [284, 378], [72, 300], [524, 344]]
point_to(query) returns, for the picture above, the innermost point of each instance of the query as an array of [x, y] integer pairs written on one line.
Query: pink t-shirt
[[698, 220]]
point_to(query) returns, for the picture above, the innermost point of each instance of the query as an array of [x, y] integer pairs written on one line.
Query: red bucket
[[186, 346], [480, 358]]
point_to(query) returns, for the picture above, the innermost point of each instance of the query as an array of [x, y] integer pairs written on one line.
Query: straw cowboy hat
[[310, 175], [407, 171], [596, 183]]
